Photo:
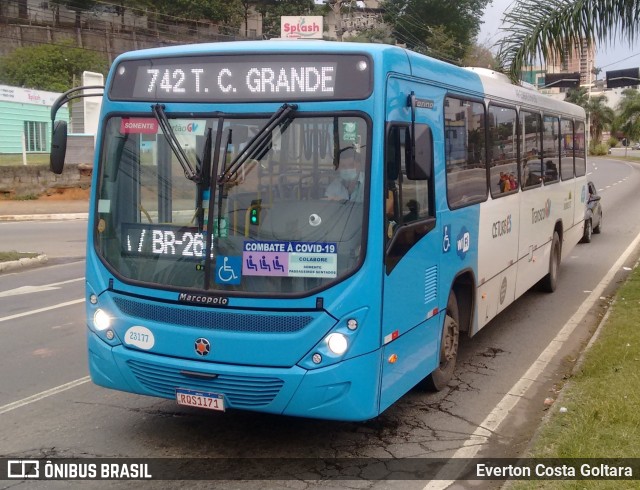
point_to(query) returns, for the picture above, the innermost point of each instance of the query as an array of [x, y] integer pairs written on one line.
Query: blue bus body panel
[[340, 392], [272, 371], [425, 274]]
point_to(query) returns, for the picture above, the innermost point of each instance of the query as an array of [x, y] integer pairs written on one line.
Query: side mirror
[[58, 147], [419, 167], [594, 198]]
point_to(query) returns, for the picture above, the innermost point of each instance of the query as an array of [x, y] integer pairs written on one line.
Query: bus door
[[411, 325]]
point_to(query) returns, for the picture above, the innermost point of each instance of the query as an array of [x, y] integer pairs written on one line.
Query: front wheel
[[439, 379], [598, 229]]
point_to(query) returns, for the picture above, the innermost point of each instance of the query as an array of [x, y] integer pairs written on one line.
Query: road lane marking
[[43, 394], [490, 424], [37, 289], [40, 310]]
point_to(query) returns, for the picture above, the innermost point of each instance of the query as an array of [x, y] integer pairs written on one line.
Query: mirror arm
[[67, 96], [411, 102]]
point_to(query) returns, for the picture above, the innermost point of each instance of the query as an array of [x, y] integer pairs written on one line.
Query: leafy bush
[[599, 149]]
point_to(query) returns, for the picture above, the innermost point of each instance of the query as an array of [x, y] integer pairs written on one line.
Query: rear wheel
[[439, 379], [550, 281]]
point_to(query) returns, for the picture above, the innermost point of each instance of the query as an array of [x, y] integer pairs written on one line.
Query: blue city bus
[[223, 271]]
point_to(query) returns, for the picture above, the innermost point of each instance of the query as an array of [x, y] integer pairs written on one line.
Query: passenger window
[[566, 149], [531, 144], [551, 149], [579, 148], [465, 152], [503, 151]]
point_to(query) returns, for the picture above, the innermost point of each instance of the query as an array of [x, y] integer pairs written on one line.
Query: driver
[[349, 184]]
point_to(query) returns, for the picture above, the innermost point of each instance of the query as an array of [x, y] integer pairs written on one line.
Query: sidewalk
[[43, 209]]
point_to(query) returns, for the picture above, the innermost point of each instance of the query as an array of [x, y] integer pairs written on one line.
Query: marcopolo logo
[[541, 214]]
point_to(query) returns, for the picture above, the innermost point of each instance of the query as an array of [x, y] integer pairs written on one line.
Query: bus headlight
[[337, 343], [101, 319]]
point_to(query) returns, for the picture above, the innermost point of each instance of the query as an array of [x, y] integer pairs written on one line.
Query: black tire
[[550, 281], [598, 228], [439, 379], [588, 231]]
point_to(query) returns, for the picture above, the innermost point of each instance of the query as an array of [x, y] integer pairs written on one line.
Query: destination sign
[[243, 78], [163, 241]]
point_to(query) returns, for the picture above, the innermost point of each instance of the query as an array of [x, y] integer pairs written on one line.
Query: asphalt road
[[48, 408]]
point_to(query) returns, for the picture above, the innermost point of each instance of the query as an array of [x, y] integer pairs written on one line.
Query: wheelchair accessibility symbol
[[446, 240], [228, 270]]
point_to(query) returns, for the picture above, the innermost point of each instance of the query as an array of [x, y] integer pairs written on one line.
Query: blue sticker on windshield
[[228, 270]]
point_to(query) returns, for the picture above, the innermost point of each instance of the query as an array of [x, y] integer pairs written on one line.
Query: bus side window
[[530, 148], [551, 149], [465, 152], [503, 151], [566, 149], [395, 153], [579, 149], [416, 193], [409, 194]]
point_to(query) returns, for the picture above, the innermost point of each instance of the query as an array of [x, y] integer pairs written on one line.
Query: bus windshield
[[288, 218]]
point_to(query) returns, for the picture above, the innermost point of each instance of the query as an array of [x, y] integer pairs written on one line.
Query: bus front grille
[[214, 320], [239, 391]]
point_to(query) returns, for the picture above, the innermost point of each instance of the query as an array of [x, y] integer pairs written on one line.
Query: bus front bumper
[[348, 390]]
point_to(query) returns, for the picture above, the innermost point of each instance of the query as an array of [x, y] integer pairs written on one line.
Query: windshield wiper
[[204, 171], [174, 144], [258, 141]]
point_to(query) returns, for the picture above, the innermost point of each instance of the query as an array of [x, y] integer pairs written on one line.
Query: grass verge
[[13, 255], [628, 158], [32, 159], [602, 399]]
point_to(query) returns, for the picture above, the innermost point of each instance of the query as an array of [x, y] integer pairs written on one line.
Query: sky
[[608, 57]]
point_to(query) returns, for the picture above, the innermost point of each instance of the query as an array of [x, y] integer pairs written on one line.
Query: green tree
[[540, 29], [440, 28], [577, 96], [481, 56], [628, 120], [381, 34], [56, 68], [600, 115]]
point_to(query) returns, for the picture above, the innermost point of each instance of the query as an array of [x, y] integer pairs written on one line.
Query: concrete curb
[[44, 217], [23, 263]]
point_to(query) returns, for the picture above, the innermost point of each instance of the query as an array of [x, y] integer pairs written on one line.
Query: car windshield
[[280, 207]]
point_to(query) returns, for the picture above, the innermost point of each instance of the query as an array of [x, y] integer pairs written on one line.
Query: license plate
[[200, 399]]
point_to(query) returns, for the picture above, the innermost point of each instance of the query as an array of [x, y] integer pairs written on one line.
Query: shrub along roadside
[[13, 255], [602, 419]]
